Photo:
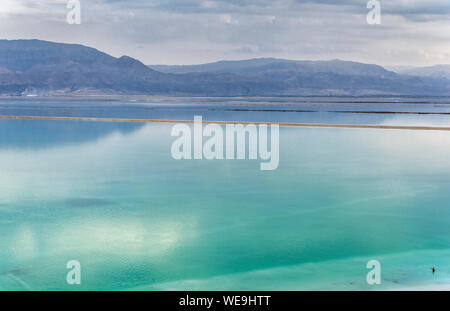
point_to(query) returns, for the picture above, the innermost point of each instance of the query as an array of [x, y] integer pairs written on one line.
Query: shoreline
[[320, 125], [423, 288]]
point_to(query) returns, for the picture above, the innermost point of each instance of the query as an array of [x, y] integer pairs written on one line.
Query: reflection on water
[[394, 111], [22, 134], [136, 219]]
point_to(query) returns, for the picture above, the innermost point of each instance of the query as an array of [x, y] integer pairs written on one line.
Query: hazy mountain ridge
[[437, 71], [46, 68], [273, 64]]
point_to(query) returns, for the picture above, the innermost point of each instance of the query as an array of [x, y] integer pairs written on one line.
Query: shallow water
[[111, 196], [389, 111]]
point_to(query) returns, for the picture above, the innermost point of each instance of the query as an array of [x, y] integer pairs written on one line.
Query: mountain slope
[[47, 68], [335, 77], [260, 65], [42, 65], [437, 71]]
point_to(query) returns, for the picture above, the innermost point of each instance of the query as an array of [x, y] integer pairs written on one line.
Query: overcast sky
[[412, 32]]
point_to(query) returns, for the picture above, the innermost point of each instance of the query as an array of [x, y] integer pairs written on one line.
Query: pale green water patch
[[135, 217]]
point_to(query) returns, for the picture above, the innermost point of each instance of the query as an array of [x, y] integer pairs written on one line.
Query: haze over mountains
[[34, 67], [259, 65], [437, 71]]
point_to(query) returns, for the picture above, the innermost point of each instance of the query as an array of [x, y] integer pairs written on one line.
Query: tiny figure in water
[[433, 270]]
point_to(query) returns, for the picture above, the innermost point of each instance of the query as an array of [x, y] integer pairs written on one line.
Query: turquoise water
[[111, 196]]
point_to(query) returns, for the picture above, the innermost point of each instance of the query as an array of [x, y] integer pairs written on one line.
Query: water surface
[[111, 196], [384, 110]]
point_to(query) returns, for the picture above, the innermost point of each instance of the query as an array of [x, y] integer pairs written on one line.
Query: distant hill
[[261, 65], [437, 71], [34, 65], [334, 77], [46, 68]]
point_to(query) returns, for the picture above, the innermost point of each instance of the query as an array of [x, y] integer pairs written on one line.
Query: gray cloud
[[195, 31]]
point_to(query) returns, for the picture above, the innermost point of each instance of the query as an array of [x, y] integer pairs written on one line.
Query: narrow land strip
[[324, 125]]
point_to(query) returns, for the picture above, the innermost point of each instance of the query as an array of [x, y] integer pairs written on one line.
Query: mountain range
[[437, 71], [35, 67]]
